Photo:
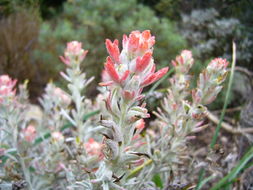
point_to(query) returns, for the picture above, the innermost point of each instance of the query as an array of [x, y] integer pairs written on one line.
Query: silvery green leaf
[[85, 184], [126, 158], [105, 185], [66, 115], [112, 149], [103, 173]]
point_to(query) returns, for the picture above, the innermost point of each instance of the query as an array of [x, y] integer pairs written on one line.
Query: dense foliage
[[72, 147]]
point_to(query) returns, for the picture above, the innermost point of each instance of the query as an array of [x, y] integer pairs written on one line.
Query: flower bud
[[29, 133], [57, 136], [74, 54], [183, 62], [138, 42], [62, 96], [6, 87], [93, 148], [134, 60]]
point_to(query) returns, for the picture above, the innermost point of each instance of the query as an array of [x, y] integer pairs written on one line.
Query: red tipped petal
[[84, 54], [146, 34], [109, 67], [153, 68], [108, 83], [124, 41], [138, 98], [142, 63], [159, 74], [149, 80], [133, 42], [125, 75], [128, 94], [108, 44], [113, 49], [152, 41], [144, 46], [154, 77], [174, 63], [116, 42], [64, 60]]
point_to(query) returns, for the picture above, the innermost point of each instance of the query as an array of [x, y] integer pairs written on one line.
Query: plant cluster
[[75, 143]]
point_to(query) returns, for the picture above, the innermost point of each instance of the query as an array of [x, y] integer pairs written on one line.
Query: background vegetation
[[206, 27]]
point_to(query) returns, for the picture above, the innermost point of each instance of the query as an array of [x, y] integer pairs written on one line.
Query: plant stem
[[226, 98]]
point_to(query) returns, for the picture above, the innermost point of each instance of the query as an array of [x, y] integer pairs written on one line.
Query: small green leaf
[[157, 180], [40, 139], [201, 175], [135, 171], [88, 115], [32, 169], [4, 158]]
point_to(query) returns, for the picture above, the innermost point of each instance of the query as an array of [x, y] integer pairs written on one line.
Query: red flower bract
[[113, 49], [110, 69], [7, 87], [135, 59]]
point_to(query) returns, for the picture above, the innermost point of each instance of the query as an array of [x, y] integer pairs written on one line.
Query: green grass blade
[[231, 77], [235, 171], [201, 175], [203, 182]]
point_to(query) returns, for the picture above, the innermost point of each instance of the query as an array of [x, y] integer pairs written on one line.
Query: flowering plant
[[71, 147], [126, 74]]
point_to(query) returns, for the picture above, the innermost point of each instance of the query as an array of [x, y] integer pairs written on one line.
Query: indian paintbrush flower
[[7, 87], [73, 53], [135, 60], [209, 83], [29, 133], [125, 74], [93, 148]]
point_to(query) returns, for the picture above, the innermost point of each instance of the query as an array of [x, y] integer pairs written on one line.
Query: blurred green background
[[33, 33]]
